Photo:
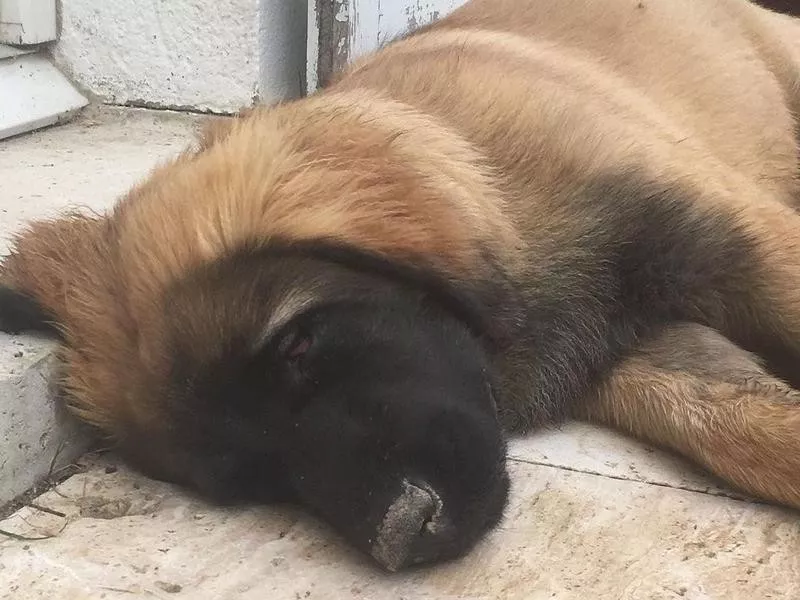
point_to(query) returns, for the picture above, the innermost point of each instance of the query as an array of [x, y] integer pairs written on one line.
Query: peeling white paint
[[372, 23], [380, 21], [312, 46], [343, 14]]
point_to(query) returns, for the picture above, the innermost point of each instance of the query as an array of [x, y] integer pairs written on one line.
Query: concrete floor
[[593, 515]]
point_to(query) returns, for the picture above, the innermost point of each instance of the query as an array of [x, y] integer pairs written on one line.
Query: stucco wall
[[210, 55]]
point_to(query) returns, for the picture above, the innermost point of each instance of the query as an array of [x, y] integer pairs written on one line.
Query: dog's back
[[720, 76]]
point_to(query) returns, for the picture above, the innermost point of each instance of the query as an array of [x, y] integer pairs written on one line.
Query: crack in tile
[[709, 492]]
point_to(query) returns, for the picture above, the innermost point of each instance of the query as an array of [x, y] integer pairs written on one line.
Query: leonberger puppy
[[530, 211]]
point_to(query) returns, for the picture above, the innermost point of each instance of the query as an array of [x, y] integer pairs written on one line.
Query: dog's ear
[[48, 263], [21, 313]]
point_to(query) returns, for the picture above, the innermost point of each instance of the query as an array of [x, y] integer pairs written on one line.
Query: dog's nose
[[413, 529]]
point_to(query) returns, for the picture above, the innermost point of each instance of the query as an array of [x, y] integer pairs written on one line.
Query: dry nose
[[414, 517]]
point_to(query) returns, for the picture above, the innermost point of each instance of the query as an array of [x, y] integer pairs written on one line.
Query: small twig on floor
[[116, 589], [23, 538], [44, 509], [62, 474], [52, 475], [56, 454], [63, 495], [49, 535]]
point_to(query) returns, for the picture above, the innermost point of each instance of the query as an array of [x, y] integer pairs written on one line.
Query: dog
[[528, 211]]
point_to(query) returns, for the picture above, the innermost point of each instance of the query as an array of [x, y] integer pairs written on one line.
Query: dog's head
[[291, 377]]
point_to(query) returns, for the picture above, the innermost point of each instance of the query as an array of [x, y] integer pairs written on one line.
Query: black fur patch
[[788, 7], [633, 253], [21, 313]]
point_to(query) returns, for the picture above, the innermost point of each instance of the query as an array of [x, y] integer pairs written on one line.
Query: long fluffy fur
[[590, 171]]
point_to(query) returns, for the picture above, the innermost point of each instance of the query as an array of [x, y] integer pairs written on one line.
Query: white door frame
[[342, 30]]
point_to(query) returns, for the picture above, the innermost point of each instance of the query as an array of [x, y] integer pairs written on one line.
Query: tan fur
[[415, 159], [693, 391]]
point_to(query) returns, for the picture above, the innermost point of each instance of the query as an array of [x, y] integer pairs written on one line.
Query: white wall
[[209, 55]]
